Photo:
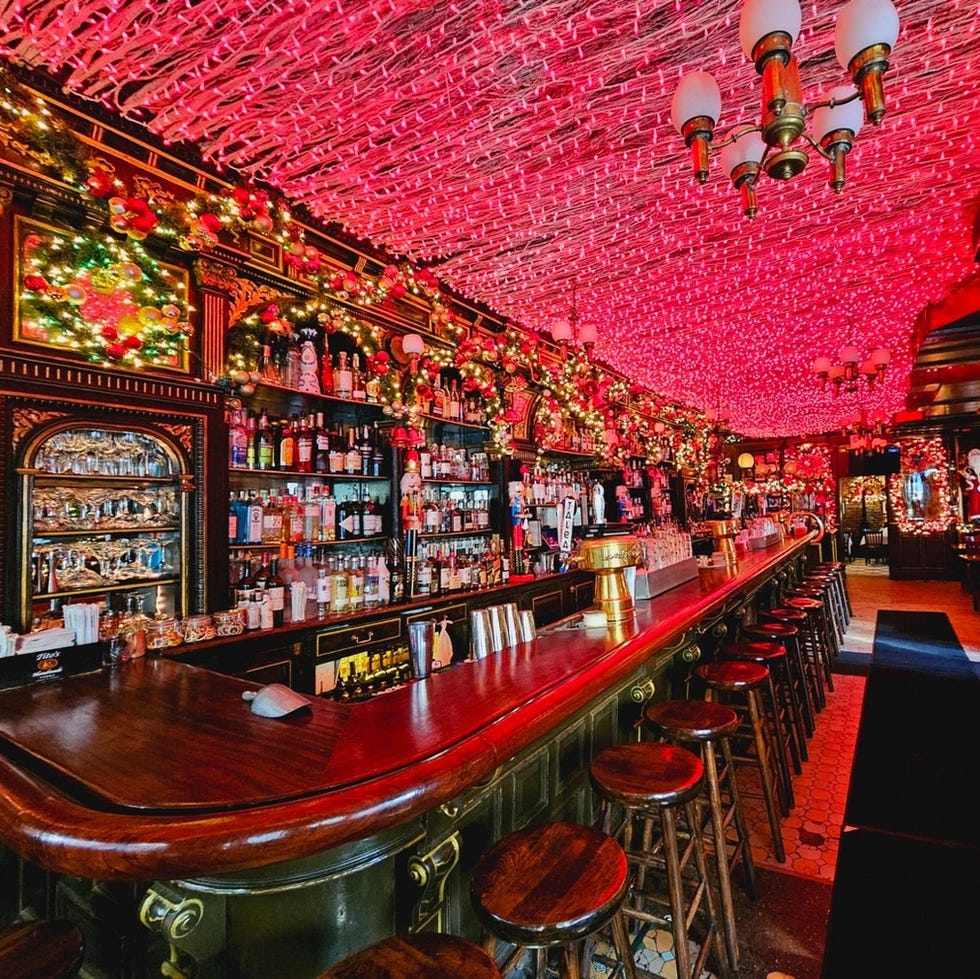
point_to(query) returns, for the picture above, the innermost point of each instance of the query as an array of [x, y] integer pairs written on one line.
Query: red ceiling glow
[[517, 147]]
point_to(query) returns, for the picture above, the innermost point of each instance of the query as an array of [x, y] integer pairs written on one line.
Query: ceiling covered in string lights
[[520, 147]]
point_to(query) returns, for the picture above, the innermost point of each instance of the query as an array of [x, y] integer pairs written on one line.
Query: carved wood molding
[[24, 420], [183, 434]]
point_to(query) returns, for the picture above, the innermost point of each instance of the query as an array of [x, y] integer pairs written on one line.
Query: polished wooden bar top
[[160, 770]]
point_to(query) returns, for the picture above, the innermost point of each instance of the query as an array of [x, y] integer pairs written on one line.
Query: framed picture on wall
[[100, 297]]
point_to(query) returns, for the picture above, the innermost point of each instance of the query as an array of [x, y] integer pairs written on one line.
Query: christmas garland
[[928, 458]]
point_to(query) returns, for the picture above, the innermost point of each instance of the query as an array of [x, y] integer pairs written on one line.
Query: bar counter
[[159, 769], [186, 834]]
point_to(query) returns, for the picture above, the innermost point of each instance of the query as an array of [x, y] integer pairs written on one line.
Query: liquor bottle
[[352, 457], [245, 583], [337, 451], [321, 440], [343, 378], [272, 523], [326, 370], [291, 368], [328, 516], [311, 509], [345, 521], [305, 446], [338, 586], [262, 573], [286, 446], [256, 519], [395, 561], [372, 388], [237, 440], [132, 627], [355, 585], [264, 447], [364, 448], [452, 402], [322, 592], [233, 519], [357, 379], [423, 575], [438, 399], [265, 366], [377, 456], [251, 444], [276, 590]]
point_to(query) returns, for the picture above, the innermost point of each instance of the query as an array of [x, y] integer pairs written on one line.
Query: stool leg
[[623, 948], [743, 848], [721, 853], [765, 777], [675, 886]]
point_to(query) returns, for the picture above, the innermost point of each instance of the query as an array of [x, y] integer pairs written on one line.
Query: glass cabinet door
[[104, 513]]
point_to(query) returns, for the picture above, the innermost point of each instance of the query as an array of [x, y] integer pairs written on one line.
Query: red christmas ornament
[[397, 290], [115, 351], [381, 357], [132, 342], [99, 184], [210, 221], [240, 195], [36, 283], [109, 333]]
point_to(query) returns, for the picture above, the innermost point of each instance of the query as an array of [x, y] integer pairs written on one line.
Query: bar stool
[[825, 582], [810, 655], [552, 887], [424, 956], [789, 637], [740, 683], [837, 572], [814, 640], [709, 724], [779, 707], [819, 594], [650, 786], [45, 949]]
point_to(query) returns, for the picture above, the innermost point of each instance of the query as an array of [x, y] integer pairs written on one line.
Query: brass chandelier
[[865, 33]]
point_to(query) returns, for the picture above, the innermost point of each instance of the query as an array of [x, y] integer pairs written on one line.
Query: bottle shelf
[[132, 585], [97, 479], [280, 390], [446, 481], [482, 426], [314, 543], [291, 473], [456, 533], [141, 533]]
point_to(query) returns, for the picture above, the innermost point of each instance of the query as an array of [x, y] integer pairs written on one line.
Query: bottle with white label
[[322, 592], [343, 377]]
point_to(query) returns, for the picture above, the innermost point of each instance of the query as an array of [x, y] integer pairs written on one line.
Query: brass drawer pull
[[358, 641]]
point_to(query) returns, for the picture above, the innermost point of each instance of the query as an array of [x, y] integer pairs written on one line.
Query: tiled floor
[[812, 830]]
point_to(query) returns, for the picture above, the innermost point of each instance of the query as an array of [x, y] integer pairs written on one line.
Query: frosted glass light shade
[[587, 333], [562, 331], [880, 357], [762, 17], [746, 460], [821, 365], [849, 116], [697, 95], [746, 149], [863, 23], [412, 343], [849, 354]]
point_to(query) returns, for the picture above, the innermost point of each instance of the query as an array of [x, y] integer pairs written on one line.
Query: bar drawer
[[332, 641]]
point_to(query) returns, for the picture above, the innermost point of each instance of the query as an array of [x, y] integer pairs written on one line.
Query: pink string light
[[517, 149]]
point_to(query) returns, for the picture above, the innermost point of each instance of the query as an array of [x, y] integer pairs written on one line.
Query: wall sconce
[[414, 346], [745, 461], [851, 368]]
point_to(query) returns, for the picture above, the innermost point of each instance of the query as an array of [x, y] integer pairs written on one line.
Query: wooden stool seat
[[47, 949], [422, 956], [552, 886], [691, 720], [646, 774]]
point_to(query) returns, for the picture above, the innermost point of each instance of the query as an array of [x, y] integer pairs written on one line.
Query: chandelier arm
[[742, 130], [831, 103], [826, 154]]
